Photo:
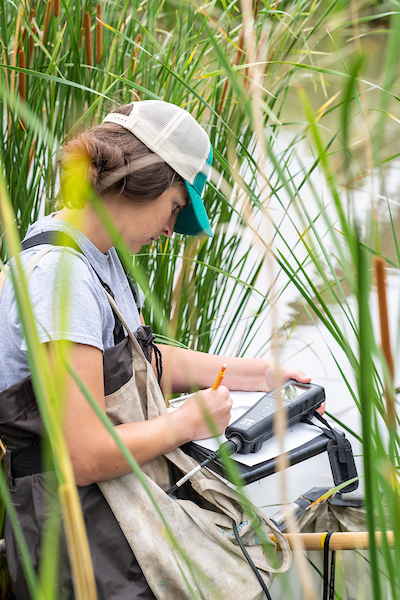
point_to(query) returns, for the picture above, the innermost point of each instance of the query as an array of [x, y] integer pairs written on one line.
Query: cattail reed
[[32, 152], [22, 81], [223, 94], [237, 60], [385, 336], [239, 51], [80, 38], [56, 8], [31, 46], [31, 40], [99, 33], [138, 39], [255, 11], [88, 39], [46, 20], [22, 76]]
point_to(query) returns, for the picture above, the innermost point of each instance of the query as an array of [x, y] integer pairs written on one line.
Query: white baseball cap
[[176, 137]]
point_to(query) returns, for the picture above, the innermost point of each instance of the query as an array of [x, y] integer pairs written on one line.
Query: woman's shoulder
[[60, 267]]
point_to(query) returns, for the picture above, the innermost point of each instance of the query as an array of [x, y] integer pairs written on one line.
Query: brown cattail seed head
[[99, 33], [88, 40]]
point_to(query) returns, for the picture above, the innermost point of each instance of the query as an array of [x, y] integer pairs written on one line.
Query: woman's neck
[[89, 223]]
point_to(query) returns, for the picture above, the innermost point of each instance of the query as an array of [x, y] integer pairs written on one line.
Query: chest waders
[[124, 529]]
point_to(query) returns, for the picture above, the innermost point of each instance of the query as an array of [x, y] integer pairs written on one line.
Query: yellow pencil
[[220, 377]]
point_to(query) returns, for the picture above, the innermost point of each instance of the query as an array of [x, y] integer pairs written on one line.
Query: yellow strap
[[323, 538]]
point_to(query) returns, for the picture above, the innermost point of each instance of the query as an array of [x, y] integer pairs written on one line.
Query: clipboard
[[301, 441]]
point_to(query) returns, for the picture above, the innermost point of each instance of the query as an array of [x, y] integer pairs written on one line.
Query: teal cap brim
[[193, 219]]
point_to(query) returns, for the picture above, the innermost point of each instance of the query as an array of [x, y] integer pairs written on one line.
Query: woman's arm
[[185, 370], [94, 454]]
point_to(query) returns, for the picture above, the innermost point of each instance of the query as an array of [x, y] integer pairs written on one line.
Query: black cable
[[332, 580], [328, 585], [252, 565]]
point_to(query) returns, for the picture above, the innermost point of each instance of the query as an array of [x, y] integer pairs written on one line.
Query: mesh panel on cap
[[175, 136], [191, 141], [150, 111]]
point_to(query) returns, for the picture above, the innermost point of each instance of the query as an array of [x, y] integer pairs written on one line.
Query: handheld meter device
[[257, 424]]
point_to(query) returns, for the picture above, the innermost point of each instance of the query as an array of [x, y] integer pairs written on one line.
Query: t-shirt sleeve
[[67, 299]]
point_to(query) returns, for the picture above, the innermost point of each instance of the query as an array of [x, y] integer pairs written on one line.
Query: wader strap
[[146, 342], [26, 461], [54, 238]]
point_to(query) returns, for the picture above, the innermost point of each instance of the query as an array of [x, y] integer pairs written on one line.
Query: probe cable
[[228, 448], [248, 558]]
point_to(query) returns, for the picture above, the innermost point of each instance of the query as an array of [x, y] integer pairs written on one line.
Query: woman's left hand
[[273, 379]]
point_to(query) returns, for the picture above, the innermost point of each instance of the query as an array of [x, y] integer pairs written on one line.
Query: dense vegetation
[[266, 80]]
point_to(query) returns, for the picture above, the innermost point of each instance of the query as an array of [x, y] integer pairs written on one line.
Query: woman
[[148, 163]]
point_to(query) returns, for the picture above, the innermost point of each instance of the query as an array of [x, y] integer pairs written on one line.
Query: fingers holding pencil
[[214, 404]]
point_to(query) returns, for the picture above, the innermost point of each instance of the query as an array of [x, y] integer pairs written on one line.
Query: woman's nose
[[170, 226]]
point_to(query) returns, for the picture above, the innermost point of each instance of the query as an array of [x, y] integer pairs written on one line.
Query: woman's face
[[141, 224]]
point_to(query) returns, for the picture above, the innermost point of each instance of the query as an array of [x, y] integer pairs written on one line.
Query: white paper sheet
[[295, 436]]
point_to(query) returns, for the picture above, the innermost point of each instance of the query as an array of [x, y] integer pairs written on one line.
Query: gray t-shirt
[[67, 297]]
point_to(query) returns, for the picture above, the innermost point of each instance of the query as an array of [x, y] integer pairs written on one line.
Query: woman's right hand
[[214, 405]]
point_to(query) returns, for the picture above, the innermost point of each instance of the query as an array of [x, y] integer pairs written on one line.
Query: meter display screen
[[269, 405], [290, 393]]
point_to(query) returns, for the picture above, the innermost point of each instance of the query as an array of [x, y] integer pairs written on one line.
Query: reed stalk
[[138, 39], [31, 47], [14, 60], [385, 338], [49, 4], [88, 39], [22, 76], [99, 33]]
